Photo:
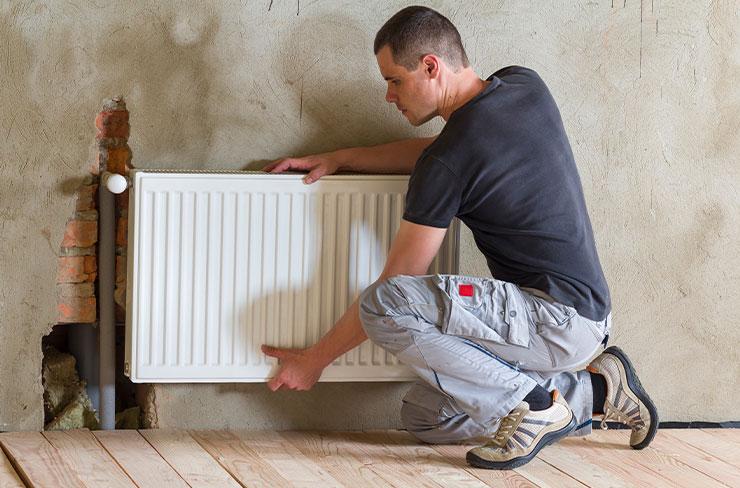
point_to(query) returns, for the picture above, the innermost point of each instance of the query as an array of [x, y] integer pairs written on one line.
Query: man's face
[[410, 91]]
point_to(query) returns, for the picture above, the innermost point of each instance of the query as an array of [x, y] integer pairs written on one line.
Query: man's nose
[[389, 97]]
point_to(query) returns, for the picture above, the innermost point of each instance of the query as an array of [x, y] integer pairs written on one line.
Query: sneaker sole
[[634, 383], [546, 440]]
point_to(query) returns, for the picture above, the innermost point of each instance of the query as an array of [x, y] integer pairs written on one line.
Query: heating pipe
[[110, 183]]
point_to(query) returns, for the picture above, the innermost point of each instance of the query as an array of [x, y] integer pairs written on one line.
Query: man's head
[[415, 49], [415, 31]]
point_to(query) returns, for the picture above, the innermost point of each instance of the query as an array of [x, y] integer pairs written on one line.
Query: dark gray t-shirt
[[504, 166]]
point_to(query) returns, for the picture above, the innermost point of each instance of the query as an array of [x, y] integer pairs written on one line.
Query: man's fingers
[[269, 167], [275, 166], [314, 175], [275, 383], [273, 351], [286, 164]]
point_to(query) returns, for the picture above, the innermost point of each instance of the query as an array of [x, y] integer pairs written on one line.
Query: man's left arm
[[411, 253]]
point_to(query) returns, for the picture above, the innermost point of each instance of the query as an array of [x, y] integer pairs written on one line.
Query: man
[[494, 355]]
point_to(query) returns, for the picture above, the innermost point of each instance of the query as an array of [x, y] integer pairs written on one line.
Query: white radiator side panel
[[220, 263]]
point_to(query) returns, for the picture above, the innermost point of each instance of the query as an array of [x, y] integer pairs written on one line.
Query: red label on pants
[[465, 290]]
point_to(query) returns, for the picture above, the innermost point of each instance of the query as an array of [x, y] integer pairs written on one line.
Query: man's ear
[[430, 63]]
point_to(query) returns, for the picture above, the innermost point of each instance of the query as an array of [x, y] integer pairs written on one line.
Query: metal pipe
[[109, 183]]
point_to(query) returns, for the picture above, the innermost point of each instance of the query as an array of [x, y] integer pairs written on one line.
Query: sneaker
[[522, 434], [626, 400]]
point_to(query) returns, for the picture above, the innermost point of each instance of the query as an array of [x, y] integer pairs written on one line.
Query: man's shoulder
[[515, 71]]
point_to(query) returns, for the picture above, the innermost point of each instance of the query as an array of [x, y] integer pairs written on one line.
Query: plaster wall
[[647, 90]]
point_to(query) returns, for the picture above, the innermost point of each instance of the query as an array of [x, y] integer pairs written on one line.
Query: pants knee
[[422, 423], [437, 428], [375, 302]]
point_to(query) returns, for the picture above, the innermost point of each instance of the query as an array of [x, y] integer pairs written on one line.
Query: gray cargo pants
[[479, 345]]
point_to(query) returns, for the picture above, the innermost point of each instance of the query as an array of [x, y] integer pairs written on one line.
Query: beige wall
[[648, 93]]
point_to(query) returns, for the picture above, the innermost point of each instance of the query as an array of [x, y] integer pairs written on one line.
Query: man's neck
[[460, 89]]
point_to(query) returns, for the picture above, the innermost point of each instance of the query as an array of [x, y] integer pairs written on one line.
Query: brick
[[75, 290], [118, 159], [121, 232], [87, 198], [91, 264], [119, 296], [121, 269], [80, 233], [76, 310], [112, 124], [76, 269], [122, 201]]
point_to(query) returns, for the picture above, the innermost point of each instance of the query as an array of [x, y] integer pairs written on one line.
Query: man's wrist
[[320, 355], [341, 158]]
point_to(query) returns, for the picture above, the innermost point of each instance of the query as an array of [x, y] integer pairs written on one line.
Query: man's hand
[[317, 165], [299, 369]]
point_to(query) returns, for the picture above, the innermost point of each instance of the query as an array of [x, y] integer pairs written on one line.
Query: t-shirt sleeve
[[433, 196]]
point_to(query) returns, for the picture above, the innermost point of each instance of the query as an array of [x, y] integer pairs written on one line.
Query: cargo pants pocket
[[570, 338], [484, 308]]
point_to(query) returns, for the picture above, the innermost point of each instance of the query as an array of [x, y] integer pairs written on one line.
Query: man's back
[[504, 166]]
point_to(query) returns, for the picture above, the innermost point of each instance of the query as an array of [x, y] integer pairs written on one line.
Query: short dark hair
[[416, 31]]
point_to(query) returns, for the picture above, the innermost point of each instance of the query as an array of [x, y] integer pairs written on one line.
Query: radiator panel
[[220, 263]]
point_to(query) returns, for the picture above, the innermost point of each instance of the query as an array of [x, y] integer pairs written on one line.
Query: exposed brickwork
[[118, 160], [119, 296], [113, 123], [87, 198], [80, 233], [77, 269], [81, 310], [115, 156], [122, 232], [77, 266]]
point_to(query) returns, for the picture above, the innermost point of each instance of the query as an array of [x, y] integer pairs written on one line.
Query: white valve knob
[[115, 182]]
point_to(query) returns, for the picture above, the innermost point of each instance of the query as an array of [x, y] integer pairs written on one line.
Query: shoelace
[[506, 428], [614, 414]]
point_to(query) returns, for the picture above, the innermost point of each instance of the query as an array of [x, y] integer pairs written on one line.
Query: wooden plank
[[239, 459], [287, 459], [139, 459], [377, 458], [89, 460], [445, 465], [8, 477], [730, 435], [715, 445], [534, 473], [37, 462], [671, 469], [334, 454], [546, 475], [698, 459], [598, 464], [189, 459]]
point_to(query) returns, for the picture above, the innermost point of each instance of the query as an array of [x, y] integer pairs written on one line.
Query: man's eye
[[396, 82]]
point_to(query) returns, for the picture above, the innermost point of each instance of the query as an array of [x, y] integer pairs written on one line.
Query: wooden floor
[[161, 458]]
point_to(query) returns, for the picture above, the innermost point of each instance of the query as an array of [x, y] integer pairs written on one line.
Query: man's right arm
[[398, 157]]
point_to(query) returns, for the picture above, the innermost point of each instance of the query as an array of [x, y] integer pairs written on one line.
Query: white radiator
[[220, 263]]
